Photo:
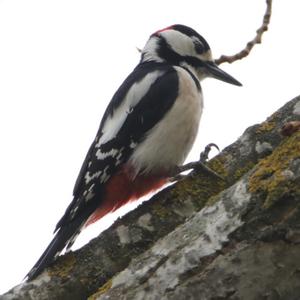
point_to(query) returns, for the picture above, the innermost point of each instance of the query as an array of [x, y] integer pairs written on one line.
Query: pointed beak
[[215, 72]]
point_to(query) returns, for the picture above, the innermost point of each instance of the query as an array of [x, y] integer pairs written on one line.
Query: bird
[[145, 134]]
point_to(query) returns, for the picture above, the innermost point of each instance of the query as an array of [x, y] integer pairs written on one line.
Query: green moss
[[103, 289], [64, 266], [239, 172], [212, 200], [217, 164], [266, 126], [269, 177], [160, 210], [201, 186]]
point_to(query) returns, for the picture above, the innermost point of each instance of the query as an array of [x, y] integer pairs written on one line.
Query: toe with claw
[[204, 154], [197, 165]]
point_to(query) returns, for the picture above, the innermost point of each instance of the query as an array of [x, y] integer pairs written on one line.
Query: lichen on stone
[[63, 266], [267, 126], [199, 188], [103, 289], [271, 176], [243, 169]]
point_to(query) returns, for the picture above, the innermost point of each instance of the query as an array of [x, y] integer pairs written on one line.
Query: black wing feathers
[[152, 107], [136, 76], [139, 120], [60, 240], [142, 117]]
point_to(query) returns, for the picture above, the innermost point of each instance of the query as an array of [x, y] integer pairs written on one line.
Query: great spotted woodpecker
[[146, 132]]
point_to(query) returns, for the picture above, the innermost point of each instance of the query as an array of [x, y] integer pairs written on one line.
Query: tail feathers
[[65, 236]]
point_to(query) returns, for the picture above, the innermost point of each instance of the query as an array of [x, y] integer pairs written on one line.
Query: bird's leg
[[204, 154], [200, 164]]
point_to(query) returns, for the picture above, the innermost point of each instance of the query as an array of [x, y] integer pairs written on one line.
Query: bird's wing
[[140, 103]]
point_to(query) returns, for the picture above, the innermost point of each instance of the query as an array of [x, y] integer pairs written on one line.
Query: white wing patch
[[88, 177], [119, 156], [169, 141], [102, 155], [115, 121], [104, 175]]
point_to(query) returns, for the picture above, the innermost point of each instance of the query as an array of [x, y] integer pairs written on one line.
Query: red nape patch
[[121, 189], [161, 30]]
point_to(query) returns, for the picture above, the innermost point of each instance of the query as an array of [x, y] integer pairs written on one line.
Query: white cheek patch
[[184, 45], [134, 95], [179, 42]]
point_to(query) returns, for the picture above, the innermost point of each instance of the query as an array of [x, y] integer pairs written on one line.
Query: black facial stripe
[[166, 52], [193, 61]]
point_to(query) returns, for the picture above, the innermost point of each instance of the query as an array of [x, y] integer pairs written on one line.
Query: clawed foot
[[204, 154], [197, 165]]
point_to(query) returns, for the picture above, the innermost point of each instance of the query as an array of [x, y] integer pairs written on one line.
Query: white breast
[[168, 143]]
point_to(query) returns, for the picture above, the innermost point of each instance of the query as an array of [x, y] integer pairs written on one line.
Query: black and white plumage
[[147, 131]]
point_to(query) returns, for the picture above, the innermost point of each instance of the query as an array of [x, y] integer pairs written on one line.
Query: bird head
[[183, 46]]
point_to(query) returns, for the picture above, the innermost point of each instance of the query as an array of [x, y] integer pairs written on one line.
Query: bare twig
[[257, 39]]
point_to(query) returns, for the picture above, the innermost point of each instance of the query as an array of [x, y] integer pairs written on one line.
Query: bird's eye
[[198, 46]]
